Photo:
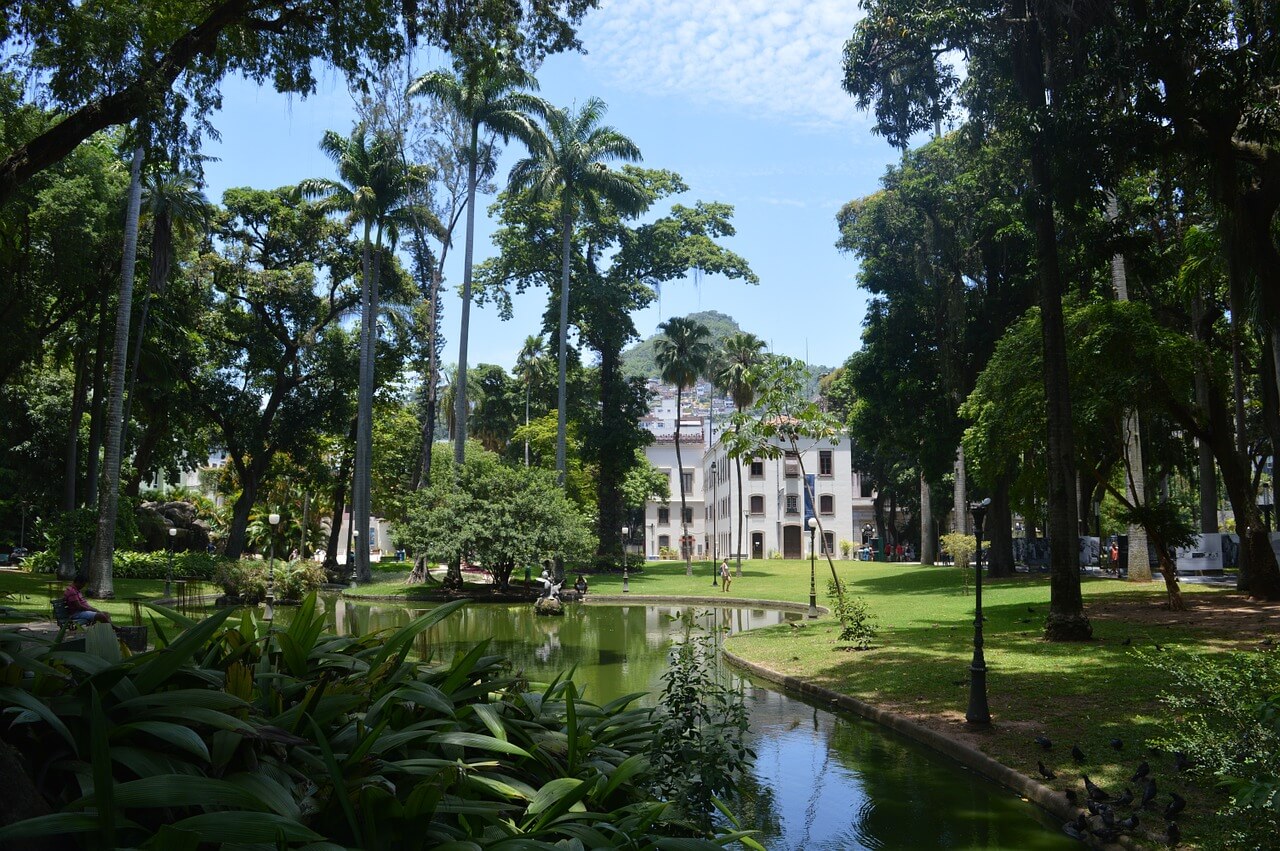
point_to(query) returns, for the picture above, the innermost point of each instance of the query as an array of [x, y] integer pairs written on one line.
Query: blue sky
[[741, 97]]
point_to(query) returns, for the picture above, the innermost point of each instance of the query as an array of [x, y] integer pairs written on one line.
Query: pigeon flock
[[1102, 818]]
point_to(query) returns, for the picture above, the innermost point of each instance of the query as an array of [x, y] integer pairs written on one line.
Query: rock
[[548, 606], [155, 519]]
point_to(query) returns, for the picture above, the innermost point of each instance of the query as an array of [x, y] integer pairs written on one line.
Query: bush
[[846, 550], [857, 625], [302, 737], [245, 580], [296, 580], [1229, 735], [45, 561], [155, 565], [667, 553]]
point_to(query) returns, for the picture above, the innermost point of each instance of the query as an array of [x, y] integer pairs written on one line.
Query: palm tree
[[493, 101], [100, 580], [176, 207], [530, 369], [740, 354], [375, 189], [682, 353], [568, 162]]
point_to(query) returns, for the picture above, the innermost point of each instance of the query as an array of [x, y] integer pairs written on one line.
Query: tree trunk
[[362, 511], [142, 459], [928, 553], [741, 515], [339, 508], [999, 529], [1066, 621], [97, 413], [562, 422], [687, 552], [1208, 471], [240, 517], [612, 462], [460, 398], [67, 550], [959, 496], [100, 579]]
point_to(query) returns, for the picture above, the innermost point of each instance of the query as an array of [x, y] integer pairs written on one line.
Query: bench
[[62, 616]]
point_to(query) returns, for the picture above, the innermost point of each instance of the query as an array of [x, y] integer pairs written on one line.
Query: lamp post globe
[[626, 584], [979, 713], [168, 576], [813, 567]]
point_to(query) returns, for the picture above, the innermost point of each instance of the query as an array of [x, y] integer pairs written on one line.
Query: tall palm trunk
[[684, 520], [741, 516], [97, 413], [422, 477], [959, 496], [100, 581], [927, 550], [460, 400], [67, 552], [364, 412], [526, 422], [562, 422]]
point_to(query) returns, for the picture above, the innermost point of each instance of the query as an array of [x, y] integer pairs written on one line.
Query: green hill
[[638, 360]]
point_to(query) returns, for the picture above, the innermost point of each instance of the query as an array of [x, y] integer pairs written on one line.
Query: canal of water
[[821, 779]]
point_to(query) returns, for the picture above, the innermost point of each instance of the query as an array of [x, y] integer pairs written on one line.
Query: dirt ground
[[1227, 617]]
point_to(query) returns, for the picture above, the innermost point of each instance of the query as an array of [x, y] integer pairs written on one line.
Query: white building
[[662, 526], [776, 503]]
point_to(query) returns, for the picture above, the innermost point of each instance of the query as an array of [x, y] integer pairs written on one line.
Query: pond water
[[822, 780]]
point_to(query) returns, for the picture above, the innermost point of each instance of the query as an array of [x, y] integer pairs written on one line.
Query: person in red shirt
[[78, 607]]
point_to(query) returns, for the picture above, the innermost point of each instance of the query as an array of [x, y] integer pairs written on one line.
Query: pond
[[822, 780]]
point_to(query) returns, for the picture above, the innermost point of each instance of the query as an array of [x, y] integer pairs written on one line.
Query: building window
[[757, 504], [688, 515], [793, 504], [826, 504], [757, 468], [865, 487], [792, 466], [664, 516], [829, 543], [664, 542], [825, 466], [687, 478]]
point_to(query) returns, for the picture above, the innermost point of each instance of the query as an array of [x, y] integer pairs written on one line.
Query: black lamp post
[[273, 518], [813, 568], [715, 536], [1266, 503], [355, 570], [168, 576], [979, 712], [626, 582]]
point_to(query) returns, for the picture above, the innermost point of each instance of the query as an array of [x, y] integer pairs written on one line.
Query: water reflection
[[821, 780]]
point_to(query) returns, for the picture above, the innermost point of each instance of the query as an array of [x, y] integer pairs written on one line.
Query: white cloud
[[780, 58]]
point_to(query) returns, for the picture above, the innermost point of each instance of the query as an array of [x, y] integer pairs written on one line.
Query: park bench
[[62, 616]]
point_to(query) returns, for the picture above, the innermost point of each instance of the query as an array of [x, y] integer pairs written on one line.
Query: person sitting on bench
[[78, 608]]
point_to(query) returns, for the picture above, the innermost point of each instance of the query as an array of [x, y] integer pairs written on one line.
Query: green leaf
[[242, 827], [489, 715], [56, 824], [481, 742], [403, 637], [100, 641], [553, 793], [103, 782], [180, 790], [506, 790], [183, 738], [188, 697], [18, 697], [628, 768], [158, 667], [273, 795]]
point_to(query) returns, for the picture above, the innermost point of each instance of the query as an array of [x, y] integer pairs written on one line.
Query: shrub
[[775, 554], [155, 565], [245, 580], [857, 625], [1229, 732], [667, 553], [45, 561], [303, 738], [296, 580], [702, 723], [961, 548], [846, 550]]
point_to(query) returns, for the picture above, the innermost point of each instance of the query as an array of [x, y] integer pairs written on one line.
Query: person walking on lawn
[[725, 576]]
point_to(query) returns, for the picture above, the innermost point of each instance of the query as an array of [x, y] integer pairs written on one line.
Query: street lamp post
[[813, 568], [168, 576], [715, 535], [274, 520], [626, 582], [355, 546], [1266, 503], [978, 712]]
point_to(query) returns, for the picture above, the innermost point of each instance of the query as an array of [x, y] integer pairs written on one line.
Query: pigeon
[[1081, 823], [1044, 772], [1107, 835], [1144, 768], [1072, 798], [1095, 792], [1117, 745], [1126, 799], [1108, 815], [1177, 805], [1077, 754], [1093, 806], [1180, 761], [1074, 832], [1029, 609], [1043, 741], [1174, 836], [1148, 793], [1127, 642], [1130, 823]]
